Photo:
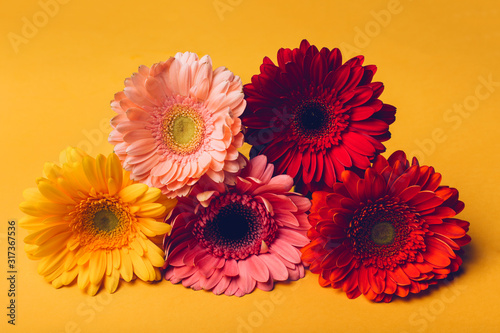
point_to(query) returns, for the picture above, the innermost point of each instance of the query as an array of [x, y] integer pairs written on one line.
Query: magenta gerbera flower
[[232, 239], [313, 116], [178, 121]]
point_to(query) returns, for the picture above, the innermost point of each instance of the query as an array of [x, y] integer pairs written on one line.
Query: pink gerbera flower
[[178, 121], [232, 239]]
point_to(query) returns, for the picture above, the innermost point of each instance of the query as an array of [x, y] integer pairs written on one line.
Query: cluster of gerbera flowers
[[177, 199]]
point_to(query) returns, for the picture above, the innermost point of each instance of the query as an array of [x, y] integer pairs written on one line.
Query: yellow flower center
[[103, 222], [383, 233], [183, 129]]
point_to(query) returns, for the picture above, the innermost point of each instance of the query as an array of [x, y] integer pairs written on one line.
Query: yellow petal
[[52, 232], [111, 281], [31, 222], [113, 187], [49, 264], [83, 277], [137, 247], [142, 243], [116, 258], [73, 243], [51, 192], [158, 274], [93, 289], [32, 194], [114, 171], [151, 269], [156, 259], [145, 230], [140, 268], [55, 274], [109, 262], [93, 174], [57, 282], [84, 258], [132, 192], [52, 171], [151, 210], [69, 276], [159, 228], [151, 195], [71, 260], [54, 244], [100, 166], [97, 267], [126, 268], [154, 248]]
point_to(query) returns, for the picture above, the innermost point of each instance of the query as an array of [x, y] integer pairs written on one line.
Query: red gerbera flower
[[314, 116], [232, 239], [389, 233]]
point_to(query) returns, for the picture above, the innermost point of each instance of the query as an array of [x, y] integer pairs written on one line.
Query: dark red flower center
[[234, 226], [313, 116], [316, 122], [385, 234]]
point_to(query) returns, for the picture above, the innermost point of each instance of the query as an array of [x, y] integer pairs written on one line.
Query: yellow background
[[432, 57]]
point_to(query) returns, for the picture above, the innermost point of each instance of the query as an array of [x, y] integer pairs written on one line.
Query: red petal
[[436, 258]]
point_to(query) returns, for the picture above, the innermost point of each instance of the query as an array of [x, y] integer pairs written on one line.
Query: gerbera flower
[[88, 221], [178, 121], [313, 116], [232, 239], [389, 233]]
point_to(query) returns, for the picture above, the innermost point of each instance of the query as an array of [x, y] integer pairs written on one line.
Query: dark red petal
[[342, 156], [409, 193], [421, 197], [359, 113], [370, 126]]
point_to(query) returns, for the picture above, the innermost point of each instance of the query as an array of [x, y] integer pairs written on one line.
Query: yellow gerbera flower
[[88, 220]]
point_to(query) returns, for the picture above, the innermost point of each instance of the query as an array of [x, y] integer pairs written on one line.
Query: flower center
[[234, 226], [106, 220], [316, 122], [233, 223], [383, 233], [102, 222], [313, 116], [182, 129]]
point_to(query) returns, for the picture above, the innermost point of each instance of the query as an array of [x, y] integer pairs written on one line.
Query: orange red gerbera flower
[[391, 232]]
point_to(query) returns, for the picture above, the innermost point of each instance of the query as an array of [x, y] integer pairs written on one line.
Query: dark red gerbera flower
[[314, 116], [389, 233]]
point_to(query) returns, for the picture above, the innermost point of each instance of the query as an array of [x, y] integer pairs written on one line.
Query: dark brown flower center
[[234, 226]]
